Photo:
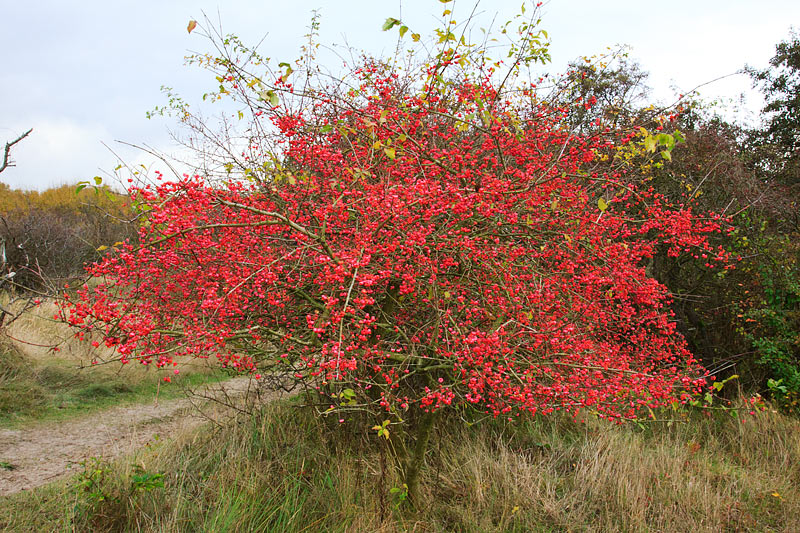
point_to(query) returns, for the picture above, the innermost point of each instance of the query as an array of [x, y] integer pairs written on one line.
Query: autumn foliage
[[47, 237], [414, 250]]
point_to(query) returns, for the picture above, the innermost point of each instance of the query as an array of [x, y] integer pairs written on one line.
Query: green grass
[[286, 470], [55, 389]]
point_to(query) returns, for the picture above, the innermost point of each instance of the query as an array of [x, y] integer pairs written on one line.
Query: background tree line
[[48, 237], [745, 321]]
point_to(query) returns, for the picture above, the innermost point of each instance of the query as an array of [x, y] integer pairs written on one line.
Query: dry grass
[[285, 470], [37, 382], [705, 475], [35, 332], [39, 390]]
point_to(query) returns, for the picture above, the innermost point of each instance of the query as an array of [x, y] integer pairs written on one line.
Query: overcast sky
[[82, 74]]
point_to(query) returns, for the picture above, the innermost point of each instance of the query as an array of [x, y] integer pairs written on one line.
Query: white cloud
[[95, 67]]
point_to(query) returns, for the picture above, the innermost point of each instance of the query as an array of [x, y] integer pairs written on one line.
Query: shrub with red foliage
[[411, 252]]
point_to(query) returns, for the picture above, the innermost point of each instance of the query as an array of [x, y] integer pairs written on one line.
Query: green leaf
[[666, 154], [602, 204], [403, 30], [390, 23], [327, 128], [98, 180], [82, 185], [667, 140], [650, 143]]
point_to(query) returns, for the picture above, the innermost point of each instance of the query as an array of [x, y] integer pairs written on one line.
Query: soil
[[39, 454]]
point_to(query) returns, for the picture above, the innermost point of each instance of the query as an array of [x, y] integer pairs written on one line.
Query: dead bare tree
[[6, 274], [7, 150]]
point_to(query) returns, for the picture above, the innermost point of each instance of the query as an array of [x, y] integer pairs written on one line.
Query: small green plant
[[145, 481], [785, 397], [5, 465], [776, 386], [383, 429], [90, 480], [400, 494]]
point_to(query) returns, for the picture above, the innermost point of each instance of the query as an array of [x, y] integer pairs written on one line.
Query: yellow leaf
[[377, 146], [192, 25], [390, 152], [101, 248]]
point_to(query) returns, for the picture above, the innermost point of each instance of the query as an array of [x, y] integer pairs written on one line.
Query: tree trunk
[[417, 458]]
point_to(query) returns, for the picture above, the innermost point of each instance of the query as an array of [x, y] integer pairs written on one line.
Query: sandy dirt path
[[44, 452]]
